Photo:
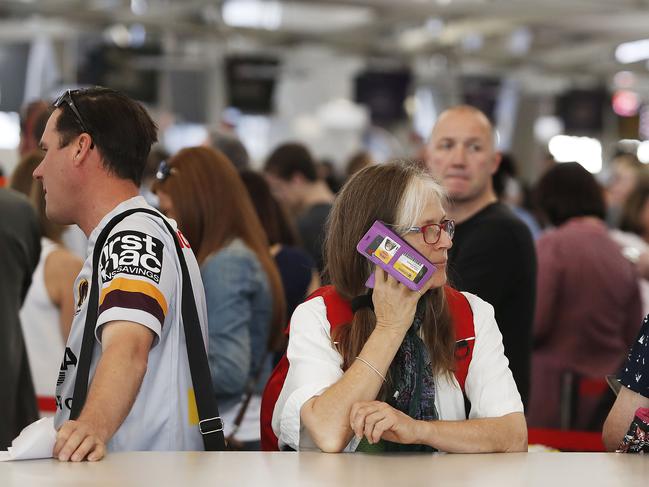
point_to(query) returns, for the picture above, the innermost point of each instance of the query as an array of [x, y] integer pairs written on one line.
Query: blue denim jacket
[[239, 310]]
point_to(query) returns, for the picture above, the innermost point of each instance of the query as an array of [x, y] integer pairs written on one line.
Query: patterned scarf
[[411, 389]]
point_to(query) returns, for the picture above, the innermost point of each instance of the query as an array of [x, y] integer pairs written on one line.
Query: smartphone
[[386, 249]]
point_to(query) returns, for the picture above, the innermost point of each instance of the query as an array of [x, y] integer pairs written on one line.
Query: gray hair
[[420, 189]]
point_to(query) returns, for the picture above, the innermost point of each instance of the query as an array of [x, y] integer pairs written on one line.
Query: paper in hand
[[34, 441]]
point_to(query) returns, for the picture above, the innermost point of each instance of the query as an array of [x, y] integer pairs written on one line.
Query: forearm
[[115, 386], [619, 418], [326, 417], [613, 431], [504, 434]]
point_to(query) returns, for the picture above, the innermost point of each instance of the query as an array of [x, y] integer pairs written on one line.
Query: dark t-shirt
[[493, 257], [310, 225], [295, 268], [20, 249], [635, 373]]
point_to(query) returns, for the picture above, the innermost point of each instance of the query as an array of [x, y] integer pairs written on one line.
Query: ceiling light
[[546, 127], [9, 130], [584, 150], [643, 152], [624, 79], [254, 14], [632, 52], [625, 103]]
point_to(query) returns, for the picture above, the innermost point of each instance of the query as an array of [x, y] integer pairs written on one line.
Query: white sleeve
[[490, 385], [314, 366]]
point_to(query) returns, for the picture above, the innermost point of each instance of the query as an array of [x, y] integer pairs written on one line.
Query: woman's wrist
[[397, 330], [424, 432]]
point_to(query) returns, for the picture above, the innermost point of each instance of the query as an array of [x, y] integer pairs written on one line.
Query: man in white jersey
[[140, 394]]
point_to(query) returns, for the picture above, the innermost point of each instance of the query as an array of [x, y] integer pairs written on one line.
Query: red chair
[[575, 388], [566, 440]]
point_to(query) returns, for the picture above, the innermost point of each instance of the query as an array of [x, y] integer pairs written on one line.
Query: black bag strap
[[210, 424]]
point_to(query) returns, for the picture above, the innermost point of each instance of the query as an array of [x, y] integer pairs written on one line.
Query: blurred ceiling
[[564, 37]]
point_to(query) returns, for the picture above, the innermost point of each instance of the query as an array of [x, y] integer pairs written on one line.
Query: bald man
[[493, 252]]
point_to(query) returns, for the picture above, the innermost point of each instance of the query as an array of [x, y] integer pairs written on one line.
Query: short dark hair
[[568, 190], [289, 159], [120, 127]]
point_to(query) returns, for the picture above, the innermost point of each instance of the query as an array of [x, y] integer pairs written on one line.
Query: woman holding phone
[[385, 380]]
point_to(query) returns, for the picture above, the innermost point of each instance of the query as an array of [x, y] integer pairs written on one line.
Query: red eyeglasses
[[433, 231]]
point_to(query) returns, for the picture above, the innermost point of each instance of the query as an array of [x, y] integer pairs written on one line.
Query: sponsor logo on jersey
[[131, 252]]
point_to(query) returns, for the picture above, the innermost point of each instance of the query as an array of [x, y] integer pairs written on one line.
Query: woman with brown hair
[[200, 188], [385, 380]]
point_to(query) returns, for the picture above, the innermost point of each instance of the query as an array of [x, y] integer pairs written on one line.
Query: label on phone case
[[408, 266], [386, 250]]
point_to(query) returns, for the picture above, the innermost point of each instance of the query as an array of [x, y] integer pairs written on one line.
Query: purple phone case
[[396, 253]]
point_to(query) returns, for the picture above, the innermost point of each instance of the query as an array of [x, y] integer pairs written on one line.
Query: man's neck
[[316, 193], [461, 211], [103, 202]]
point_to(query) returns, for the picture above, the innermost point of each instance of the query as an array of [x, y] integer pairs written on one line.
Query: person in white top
[[385, 381], [140, 395], [48, 309]]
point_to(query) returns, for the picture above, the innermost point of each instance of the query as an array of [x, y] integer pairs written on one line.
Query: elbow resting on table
[[518, 443], [330, 444], [327, 437], [328, 441], [515, 438]]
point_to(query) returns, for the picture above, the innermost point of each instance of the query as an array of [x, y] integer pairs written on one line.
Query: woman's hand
[[378, 420], [394, 303]]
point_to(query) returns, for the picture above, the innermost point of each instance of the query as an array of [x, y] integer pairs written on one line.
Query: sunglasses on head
[[164, 171], [66, 97]]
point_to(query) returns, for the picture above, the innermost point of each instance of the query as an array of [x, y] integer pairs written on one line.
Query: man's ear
[[496, 162], [84, 145]]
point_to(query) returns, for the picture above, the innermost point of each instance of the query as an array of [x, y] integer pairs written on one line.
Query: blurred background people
[[33, 118], [292, 175], [19, 252], [511, 191], [356, 162], [298, 269], [231, 147], [48, 309], [633, 233], [200, 189], [588, 303], [624, 171]]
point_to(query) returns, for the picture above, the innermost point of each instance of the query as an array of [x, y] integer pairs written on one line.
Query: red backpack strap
[[339, 312], [464, 332]]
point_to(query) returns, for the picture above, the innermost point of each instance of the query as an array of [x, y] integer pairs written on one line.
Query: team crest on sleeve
[[131, 252], [82, 294]]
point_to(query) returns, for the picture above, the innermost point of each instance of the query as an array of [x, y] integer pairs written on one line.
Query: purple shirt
[[588, 312]]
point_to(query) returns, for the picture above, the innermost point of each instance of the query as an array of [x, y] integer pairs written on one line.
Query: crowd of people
[[213, 306]]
